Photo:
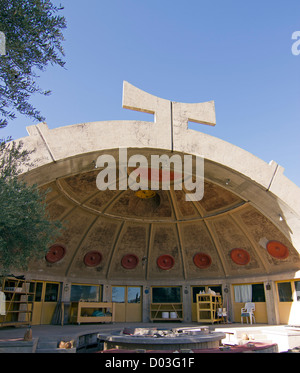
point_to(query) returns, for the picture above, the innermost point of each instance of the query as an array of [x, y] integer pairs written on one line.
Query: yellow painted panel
[[194, 311], [133, 312], [36, 314], [284, 312], [47, 312], [289, 313], [120, 315]]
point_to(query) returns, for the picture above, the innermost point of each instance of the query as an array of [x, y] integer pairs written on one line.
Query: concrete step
[[243, 336], [45, 344], [55, 350]]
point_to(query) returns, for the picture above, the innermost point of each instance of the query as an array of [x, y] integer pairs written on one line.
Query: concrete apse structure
[[244, 231]]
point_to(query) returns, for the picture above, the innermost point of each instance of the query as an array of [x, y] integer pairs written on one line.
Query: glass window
[[258, 293], [51, 293], [31, 289], [217, 289], [38, 292], [166, 295], [242, 293], [249, 293], [297, 288], [118, 294], [196, 290], [134, 295], [85, 293], [285, 292]]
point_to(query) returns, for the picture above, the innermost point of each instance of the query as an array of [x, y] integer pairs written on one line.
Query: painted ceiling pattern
[[115, 234]]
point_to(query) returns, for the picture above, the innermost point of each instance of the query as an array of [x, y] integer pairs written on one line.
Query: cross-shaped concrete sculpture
[[169, 117]]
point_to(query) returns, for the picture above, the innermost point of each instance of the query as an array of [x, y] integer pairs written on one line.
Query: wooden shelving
[[207, 306], [92, 312], [19, 296], [174, 311]]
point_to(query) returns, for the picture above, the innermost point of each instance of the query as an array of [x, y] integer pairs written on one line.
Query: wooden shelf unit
[[19, 296], [207, 307], [157, 309], [82, 312]]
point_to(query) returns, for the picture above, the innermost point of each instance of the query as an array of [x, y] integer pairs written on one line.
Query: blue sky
[[235, 52]]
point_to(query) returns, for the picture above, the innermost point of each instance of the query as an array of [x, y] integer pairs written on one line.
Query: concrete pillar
[[228, 301], [66, 301], [271, 303], [66, 292], [106, 293], [187, 303], [146, 303], [228, 297]]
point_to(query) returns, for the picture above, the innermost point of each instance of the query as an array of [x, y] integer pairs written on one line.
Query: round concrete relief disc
[[129, 261], [202, 260], [165, 262], [55, 253], [92, 258], [277, 249], [240, 256]]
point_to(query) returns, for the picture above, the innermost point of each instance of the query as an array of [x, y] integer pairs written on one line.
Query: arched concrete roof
[[247, 202]]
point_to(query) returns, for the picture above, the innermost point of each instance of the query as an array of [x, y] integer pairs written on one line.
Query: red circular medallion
[[202, 260], [55, 253], [129, 261], [92, 258], [165, 262], [240, 256], [277, 249]]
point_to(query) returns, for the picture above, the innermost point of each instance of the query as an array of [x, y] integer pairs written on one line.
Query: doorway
[[45, 301], [196, 290], [288, 296], [128, 303]]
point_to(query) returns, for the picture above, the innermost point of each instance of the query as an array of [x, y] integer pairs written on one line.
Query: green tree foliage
[[26, 229], [33, 37]]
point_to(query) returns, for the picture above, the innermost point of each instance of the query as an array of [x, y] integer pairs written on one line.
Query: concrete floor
[[287, 337], [74, 329]]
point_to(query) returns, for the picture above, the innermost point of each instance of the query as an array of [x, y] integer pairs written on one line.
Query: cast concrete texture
[[243, 200]]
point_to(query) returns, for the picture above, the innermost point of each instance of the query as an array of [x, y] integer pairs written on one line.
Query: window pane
[[258, 293], [118, 294], [196, 290], [285, 292], [166, 295], [85, 292], [243, 293], [217, 289], [51, 294], [38, 292], [31, 290], [297, 287], [249, 293], [134, 295]]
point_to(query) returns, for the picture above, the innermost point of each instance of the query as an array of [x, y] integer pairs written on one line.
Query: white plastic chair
[[248, 311]]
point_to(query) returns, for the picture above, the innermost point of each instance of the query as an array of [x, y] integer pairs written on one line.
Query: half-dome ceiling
[[119, 234]]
